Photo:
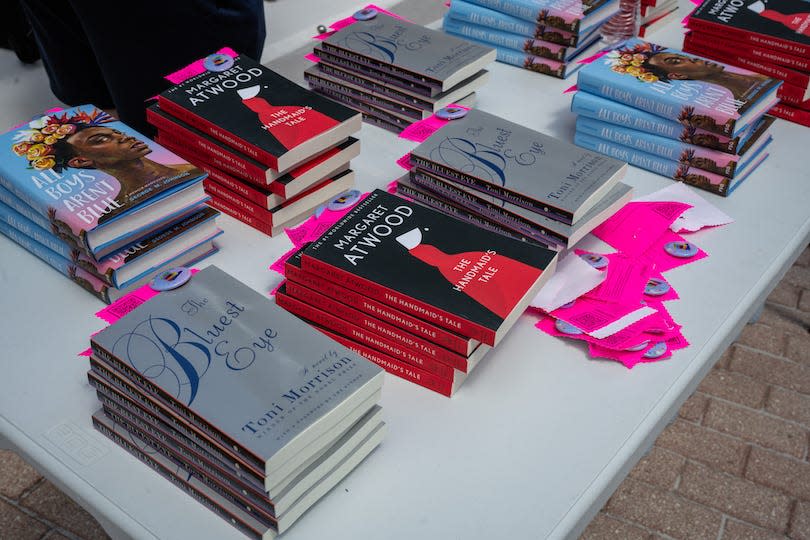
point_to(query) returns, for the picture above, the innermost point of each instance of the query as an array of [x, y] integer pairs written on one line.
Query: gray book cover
[[239, 365], [410, 50], [519, 165]]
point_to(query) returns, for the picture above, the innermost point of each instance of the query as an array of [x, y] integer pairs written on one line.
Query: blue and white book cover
[[564, 14], [678, 86], [228, 355]]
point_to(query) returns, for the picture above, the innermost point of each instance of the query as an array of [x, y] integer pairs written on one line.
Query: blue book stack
[[552, 37], [675, 114]]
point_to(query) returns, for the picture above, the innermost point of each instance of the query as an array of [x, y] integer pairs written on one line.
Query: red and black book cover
[[782, 25], [414, 325], [458, 276], [260, 113]]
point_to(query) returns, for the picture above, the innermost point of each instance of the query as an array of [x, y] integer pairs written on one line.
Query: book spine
[[671, 169], [400, 301], [546, 66], [217, 190], [108, 392], [490, 18], [751, 38], [379, 310], [246, 218], [215, 154], [210, 476], [217, 133], [790, 113], [545, 12], [417, 88], [794, 96], [702, 158], [590, 106], [506, 40], [366, 96], [494, 190], [387, 117], [375, 86], [490, 210], [174, 477], [349, 322], [392, 365], [732, 57], [146, 385], [755, 53]]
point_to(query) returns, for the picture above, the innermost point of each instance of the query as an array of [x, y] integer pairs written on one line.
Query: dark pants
[[116, 53]]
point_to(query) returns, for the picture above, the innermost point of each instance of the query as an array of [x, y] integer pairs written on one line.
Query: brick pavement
[[734, 464]]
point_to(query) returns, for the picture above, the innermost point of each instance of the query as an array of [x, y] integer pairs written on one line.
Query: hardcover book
[[696, 92], [410, 51], [519, 165], [218, 341], [782, 25], [95, 179], [569, 15], [425, 263], [260, 113], [763, 54]]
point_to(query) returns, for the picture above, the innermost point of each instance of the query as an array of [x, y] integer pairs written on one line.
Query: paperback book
[[469, 280], [95, 179], [569, 15], [519, 165], [260, 113], [685, 88]]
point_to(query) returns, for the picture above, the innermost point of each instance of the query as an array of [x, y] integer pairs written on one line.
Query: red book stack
[[653, 14], [273, 151], [771, 38]]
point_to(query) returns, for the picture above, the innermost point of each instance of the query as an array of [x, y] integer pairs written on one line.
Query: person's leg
[[137, 43]]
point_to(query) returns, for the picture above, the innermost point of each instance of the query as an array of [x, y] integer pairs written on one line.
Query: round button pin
[[656, 287], [682, 250], [171, 279], [365, 14], [595, 260], [656, 351], [566, 328], [344, 200], [638, 347], [218, 62], [451, 113]]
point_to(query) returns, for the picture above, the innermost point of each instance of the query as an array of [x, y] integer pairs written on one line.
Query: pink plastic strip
[[195, 68], [405, 162], [421, 130], [391, 187], [570, 89], [590, 59], [312, 58]]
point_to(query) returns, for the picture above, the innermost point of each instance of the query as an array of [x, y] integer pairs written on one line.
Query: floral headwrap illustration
[[633, 61], [40, 143]]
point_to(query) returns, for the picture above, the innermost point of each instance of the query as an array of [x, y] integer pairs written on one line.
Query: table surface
[[534, 443]]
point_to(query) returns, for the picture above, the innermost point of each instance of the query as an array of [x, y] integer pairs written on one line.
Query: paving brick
[[604, 527], [789, 405], [790, 320], [757, 427], [735, 387], [722, 362], [785, 294], [701, 444], [804, 300], [55, 535], [737, 497], [50, 503], [18, 526], [764, 338], [800, 523], [804, 258], [798, 348], [779, 472], [659, 467], [737, 530], [694, 407], [664, 511], [15, 475], [798, 275], [772, 370]]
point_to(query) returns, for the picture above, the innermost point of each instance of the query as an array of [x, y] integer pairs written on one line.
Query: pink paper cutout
[[570, 89], [299, 234], [348, 21], [637, 225], [278, 265], [276, 288], [627, 358], [312, 58], [391, 187], [590, 59], [405, 162], [664, 261], [547, 326], [421, 130], [590, 315], [625, 281], [195, 68]]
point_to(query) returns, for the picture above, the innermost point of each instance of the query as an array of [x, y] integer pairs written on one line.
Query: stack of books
[[675, 114], [249, 411], [515, 181], [421, 294], [100, 202], [547, 36], [653, 14], [770, 38], [395, 72], [273, 151]]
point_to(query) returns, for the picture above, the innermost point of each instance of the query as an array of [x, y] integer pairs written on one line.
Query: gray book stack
[[513, 180], [247, 409], [395, 72]]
